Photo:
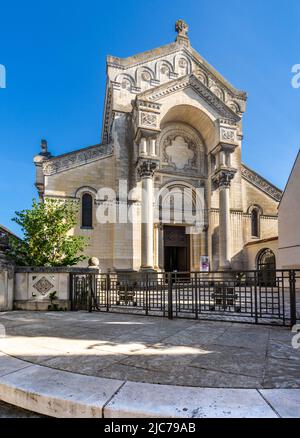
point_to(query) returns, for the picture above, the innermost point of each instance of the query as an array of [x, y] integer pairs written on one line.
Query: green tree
[[47, 240]]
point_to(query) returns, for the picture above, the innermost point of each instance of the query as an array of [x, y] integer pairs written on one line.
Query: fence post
[[90, 293], [71, 291], [146, 296], [107, 289], [255, 297], [292, 279], [196, 295], [170, 296]]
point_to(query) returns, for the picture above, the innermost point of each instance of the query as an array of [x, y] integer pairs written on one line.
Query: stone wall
[[6, 287], [33, 286]]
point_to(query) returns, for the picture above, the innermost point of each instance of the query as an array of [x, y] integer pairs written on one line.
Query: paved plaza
[[154, 350]]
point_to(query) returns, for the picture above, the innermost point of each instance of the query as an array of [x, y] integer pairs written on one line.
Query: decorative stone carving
[[146, 168], [227, 134], [218, 92], [43, 286], [261, 183], [181, 28], [75, 159], [223, 178], [146, 76], [149, 119], [181, 148], [179, 153], [126, 84]]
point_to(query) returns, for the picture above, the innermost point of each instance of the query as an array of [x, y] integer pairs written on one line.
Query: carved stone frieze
[[77, 158], [261, 183]]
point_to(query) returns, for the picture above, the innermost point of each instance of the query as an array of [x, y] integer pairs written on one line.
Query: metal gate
[[246, 296]]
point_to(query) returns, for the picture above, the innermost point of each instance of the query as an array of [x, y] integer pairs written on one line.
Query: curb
[[62, 394]]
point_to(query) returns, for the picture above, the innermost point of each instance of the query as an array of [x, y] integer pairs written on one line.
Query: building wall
[[197, 102], [289, 220], [252, 251], [118, 246]]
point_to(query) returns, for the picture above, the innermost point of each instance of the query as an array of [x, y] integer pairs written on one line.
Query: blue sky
[[54, 53]]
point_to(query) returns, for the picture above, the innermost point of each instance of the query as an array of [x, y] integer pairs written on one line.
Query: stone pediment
[[76, 158], [261, 183], [192, 82], [176, 48]]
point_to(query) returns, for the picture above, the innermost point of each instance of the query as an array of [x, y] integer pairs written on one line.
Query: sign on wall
[[204, 264]]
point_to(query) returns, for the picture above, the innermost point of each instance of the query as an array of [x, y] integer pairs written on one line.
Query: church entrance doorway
[[176, 249]]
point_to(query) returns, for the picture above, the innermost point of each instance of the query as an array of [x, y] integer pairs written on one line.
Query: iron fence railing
[[270, 297]]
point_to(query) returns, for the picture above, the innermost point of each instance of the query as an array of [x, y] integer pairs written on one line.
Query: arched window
[[255, 223], [266, 265], [255, 213], [87, 211]]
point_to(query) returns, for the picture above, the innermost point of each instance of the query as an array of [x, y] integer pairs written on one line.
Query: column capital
[[222, 179], [146, 168]]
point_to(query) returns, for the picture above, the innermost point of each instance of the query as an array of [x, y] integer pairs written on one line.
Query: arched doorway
[[266, 265], [180, 212]]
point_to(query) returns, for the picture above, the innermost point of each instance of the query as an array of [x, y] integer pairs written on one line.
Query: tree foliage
[[47, 235]]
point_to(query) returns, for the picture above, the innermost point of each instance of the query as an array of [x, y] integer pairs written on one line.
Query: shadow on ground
[[154, 350]]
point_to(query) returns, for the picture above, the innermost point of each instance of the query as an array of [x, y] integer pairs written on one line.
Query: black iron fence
[[260, 297]]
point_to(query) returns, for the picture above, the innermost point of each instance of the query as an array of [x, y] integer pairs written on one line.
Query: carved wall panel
[[181, 149], [41, 285]]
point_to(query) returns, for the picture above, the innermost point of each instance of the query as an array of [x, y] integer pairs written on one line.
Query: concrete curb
[[63, 394]]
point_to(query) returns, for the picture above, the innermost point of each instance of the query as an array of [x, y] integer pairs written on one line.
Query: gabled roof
[[8, 232], [261, 183], [76, 158]]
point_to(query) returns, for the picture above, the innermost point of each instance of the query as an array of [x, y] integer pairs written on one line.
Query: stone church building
[[170, 122]]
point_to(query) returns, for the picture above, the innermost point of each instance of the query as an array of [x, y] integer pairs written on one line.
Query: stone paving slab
[[9, 364], [154, 401], [57, 393], [286, 402]]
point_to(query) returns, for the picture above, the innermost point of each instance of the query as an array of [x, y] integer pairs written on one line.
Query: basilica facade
[[171, 123]]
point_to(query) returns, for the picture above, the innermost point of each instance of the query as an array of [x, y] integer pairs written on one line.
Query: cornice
[[261, 183], [76, 158]]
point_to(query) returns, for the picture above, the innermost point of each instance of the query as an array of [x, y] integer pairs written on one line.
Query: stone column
[[143, 147], [161, 246], [146, 171], [153, 147], [156, 246], [223, 182]]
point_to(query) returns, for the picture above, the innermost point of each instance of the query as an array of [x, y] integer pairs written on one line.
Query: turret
[[38, 160]]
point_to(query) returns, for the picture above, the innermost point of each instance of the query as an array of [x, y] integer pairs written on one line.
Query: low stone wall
[[6, 287], [33, 286]]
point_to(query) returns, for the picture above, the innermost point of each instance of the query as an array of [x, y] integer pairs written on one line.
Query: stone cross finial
[[181, 28], [44, 147]]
